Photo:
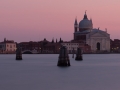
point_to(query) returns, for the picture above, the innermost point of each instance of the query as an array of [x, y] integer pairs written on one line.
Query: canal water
[[40, 72]]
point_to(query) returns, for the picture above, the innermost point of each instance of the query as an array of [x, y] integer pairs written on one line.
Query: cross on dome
[[85, 16]]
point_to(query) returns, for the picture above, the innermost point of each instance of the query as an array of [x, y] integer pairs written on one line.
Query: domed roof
[[85, 23]]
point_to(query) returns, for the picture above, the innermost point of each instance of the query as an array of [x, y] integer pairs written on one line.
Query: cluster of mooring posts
[[79, 55], [63, 59], [18, 54]]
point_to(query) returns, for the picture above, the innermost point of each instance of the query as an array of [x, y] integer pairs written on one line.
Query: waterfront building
[[43, 46], [73, 45], [99, 40], [51, 48], [115, 46], [7, 46], [30, 47]]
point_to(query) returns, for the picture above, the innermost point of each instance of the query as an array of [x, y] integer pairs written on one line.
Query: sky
[[34, 20]]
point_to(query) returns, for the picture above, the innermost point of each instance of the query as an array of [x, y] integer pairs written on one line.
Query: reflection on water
[[40, 72]]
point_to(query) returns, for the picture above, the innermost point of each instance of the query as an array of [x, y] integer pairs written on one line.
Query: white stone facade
[[8, 47], [98, 36]]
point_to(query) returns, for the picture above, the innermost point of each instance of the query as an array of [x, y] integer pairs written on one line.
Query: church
[[99, 40]]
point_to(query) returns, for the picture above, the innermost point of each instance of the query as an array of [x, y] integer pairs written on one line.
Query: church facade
[[99, 40]]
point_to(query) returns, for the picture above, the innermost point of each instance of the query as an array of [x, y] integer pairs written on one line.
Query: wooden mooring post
[[18, 54], [63, 59], [79, 55]]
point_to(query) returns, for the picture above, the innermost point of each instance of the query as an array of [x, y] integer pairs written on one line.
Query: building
[[73, 45], [51, 48], [115, 46], [7, 47], [99, 40], [28, 47], [43, 46]]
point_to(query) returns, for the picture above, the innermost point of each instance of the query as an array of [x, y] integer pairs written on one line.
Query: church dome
[[85, 23]]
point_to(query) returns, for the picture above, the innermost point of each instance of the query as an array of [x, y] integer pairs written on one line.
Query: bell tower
[[75, 25]]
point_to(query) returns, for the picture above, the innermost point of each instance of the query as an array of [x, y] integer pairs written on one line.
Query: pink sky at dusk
[[25, 20]]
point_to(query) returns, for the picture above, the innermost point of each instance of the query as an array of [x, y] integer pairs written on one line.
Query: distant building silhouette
[[43, 46]]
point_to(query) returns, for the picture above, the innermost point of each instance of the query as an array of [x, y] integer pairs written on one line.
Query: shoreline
[[58, 53]]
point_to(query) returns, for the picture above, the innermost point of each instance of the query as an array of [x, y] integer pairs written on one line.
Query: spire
[[85, 16], [44, 39], [4, 39], [76, 21], [53, 40], [91, 20], [56, 40], [60, 40]]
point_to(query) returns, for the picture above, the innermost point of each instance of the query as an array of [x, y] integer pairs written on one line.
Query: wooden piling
[[79, 55], [63, 59], [18, 54]]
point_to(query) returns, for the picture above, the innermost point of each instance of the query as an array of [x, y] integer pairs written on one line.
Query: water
[[40, 72]]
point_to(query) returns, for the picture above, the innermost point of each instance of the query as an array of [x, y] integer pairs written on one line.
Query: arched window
[[98, 46]]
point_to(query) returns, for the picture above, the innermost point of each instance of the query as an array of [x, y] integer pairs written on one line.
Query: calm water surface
[[40, 72]]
